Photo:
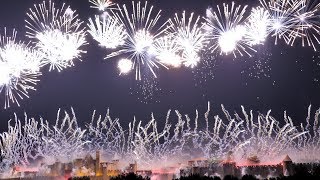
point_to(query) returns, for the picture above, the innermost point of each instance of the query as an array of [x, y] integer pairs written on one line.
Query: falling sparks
[[147, 90], [259, 66], [244, 135]]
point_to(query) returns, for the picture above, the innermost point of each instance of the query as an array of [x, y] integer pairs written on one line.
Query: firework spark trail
[[190, 36], [58, 33], [19, 69], [143, 29], [244, 136], [226, 30], [308, 145], [106, 134], [259, 65], [125, 66], [107, 31], [33, 139], [267, 137]]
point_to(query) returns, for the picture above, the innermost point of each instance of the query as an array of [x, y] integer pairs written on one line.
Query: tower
[[133, 167], [287, 166], [98, 164], [229, 168]]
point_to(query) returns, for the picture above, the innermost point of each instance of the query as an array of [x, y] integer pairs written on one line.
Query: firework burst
[[190, 36], [307, 26], [19, 69], [167, 51], [58, 33], [102, 5], [107, 31], [225, 30], [142, 28], [281, 17], [257, 26]]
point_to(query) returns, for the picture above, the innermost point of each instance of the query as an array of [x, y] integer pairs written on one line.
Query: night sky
[[291, 82]]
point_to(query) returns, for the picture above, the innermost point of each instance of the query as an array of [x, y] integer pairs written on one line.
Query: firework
[[226, 31], [142, 28], [257, 26], [306, 26], [167, 51], [58, 33], [190, 36], [125, 66], [281, 17], [102, 5], [19, 69], [242, 135], [107, 31]]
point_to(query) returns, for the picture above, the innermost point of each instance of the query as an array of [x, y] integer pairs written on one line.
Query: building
[[97, 169], [229, 167], [287, 166]]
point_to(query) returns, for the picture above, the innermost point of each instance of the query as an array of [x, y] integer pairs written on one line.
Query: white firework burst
[[125, 66], [281, 17], [58, 33], [226, 31], [307, 26], [108, 31], [190, 36], [258, 25], [167, 51], [19, 69], [143, 28]]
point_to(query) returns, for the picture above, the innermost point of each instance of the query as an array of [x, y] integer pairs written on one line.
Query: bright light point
[[277, 25], [186, 44], [227, 42], [302, 18], [229, 39], [143, 41], [125, 66]]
